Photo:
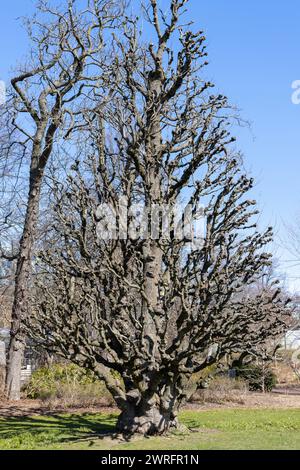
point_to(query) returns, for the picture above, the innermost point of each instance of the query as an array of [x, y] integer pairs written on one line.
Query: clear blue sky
[[254, 54]]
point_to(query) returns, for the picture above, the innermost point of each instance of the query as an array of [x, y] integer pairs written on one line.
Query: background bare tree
[[46, 99], [293, 242], [151, 308]]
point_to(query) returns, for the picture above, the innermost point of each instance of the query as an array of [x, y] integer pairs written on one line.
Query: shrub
[[259, 377], [222, 390], [67, 385]]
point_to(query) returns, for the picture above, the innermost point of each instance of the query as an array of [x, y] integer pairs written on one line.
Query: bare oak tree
[[144, 312]]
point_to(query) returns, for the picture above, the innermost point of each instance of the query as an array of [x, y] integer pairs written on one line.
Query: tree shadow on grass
[[58, 428]]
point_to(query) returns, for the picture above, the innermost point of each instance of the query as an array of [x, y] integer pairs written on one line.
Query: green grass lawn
[[218, 429]]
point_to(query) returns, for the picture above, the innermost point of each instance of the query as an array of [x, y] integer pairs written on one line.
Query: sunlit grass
[[217, 429]]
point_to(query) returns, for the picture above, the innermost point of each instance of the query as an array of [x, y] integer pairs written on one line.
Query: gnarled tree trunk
[[146, 419], [149, 415]]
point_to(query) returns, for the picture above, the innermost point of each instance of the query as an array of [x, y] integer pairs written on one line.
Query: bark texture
[[21, 294], [149, 419]]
